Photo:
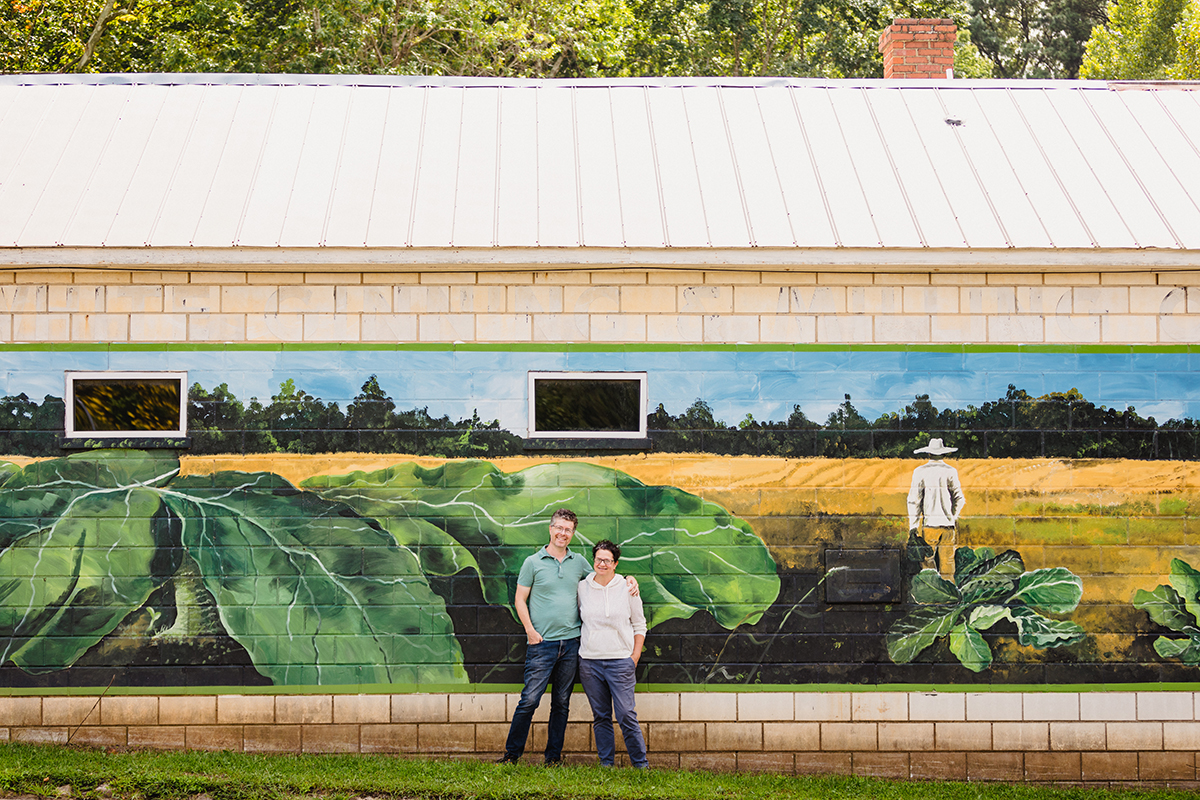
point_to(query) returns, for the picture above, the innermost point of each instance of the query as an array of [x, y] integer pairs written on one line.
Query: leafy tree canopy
[[502, 38], [1146, 40], [1034, 38]]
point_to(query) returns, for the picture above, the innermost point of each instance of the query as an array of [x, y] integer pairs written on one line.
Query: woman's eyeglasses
[[604, 562]]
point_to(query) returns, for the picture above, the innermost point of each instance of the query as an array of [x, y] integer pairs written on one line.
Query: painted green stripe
[[511, 688]]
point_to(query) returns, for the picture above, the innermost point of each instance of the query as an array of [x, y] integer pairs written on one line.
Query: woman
[[614, 628]]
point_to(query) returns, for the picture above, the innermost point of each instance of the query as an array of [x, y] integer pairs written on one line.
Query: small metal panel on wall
[[863, 576]]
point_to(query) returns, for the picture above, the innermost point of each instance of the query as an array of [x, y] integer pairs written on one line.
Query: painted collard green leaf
[[1177, 607], [80, 550], [315, 593], [987, 589], [687, 553]]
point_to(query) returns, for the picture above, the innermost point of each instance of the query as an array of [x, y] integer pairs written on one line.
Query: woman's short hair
[[605, 544]]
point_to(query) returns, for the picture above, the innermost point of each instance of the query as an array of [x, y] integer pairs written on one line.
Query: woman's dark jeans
[[609, 685], [553, 663]]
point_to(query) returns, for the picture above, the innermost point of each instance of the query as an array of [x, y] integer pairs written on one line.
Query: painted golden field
[[1115, 523]]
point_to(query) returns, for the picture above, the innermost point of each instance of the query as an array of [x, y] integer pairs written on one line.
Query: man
[[547, 603], [935, 502]]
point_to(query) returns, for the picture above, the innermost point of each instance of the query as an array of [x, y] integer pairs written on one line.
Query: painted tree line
[[592, 38], [1018, 425]]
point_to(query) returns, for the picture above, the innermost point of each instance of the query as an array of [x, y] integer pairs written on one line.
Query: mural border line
[[566, 347], [647, 688]]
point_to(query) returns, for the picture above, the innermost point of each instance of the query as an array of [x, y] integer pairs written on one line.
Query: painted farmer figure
[[935, 502], [547, 602]]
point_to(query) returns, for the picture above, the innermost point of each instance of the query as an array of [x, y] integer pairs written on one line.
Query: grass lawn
[[45, 770]]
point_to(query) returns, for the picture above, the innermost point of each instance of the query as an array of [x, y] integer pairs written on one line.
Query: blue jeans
[[609, 685], [551, 663]]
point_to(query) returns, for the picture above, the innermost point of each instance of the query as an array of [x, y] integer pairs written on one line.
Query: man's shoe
[[507, 759], [556, 762]]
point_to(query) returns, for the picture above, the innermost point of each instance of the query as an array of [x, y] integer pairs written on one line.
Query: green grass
[[42, 770]]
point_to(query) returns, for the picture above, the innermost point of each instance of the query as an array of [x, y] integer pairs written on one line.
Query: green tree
[[1187, 36], [1141, 41], [835, 38], [1034, 38]]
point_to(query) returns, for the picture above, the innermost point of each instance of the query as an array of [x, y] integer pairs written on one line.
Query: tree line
[[592, 38], [1017, 425]]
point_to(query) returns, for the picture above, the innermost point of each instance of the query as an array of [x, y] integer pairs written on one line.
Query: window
[[587, 405], [126, 405]]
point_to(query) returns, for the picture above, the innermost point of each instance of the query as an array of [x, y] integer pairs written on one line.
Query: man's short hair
[[605, 544], [567, 514]]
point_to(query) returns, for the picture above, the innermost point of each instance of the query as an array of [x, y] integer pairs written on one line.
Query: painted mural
[[357, 516]]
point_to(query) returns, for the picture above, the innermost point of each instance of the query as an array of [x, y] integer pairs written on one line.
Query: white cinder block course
[[304, 300], [1164, 705], [706, 299], [708, 706], [1108, 706], [478, 708], [1074, 328], [878, 706], [1051, 705], [618, 327], [823, 706], [730, 328], [760, 706], [421, 708], [945, 707], [1120, 329], [786, 328], [332, 327], [674, 328], [995, 706], [593, 299], [818, 300], [958, 328]]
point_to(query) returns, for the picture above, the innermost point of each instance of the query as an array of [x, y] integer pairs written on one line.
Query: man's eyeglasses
[[562, 529], [604, 562]]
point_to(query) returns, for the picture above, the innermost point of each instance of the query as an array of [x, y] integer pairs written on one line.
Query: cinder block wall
[[1149, 738], [600, 306]]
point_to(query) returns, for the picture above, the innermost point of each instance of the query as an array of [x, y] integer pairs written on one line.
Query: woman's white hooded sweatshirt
[[611, 618]]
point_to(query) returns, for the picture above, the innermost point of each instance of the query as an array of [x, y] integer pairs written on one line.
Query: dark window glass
[[127, 404], [587, 405]]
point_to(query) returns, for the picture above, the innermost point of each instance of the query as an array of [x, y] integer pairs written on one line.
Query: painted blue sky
[[764, 383]]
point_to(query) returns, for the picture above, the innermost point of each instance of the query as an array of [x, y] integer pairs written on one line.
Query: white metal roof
[[370, 163]]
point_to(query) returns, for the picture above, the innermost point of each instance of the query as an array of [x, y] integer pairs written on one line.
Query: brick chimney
[[918, 48]]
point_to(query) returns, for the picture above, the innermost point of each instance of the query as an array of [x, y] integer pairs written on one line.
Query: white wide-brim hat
[[936, 448]]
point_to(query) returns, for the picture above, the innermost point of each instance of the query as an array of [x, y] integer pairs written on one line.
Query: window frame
[[70, 376], [643, 403]]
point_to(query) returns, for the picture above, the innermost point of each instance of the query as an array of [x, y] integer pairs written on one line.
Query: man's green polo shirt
[[554, 593]]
